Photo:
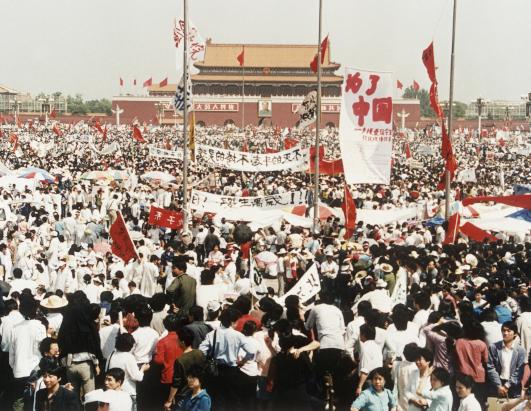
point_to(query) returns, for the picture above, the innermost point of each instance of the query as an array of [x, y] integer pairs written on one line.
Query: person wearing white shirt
[[108, 335], [401, 332], [370, 355], [8, 323], [19, 284], [146, 338], [463, 387]]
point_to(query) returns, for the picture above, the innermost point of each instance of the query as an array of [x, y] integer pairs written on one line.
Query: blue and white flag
[[178, 100]]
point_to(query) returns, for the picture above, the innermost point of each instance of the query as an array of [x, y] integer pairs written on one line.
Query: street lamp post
[[480, 102]]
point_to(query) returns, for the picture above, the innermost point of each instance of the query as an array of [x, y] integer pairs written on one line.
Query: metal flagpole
[[450, 114], [185, 118], [317, 127], [243, 92]]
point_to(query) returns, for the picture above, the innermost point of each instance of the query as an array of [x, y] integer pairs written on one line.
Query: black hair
[[158, 302], [422, 299], [368, 332], [511, 325], [51, 366], [124, 342], [442, 375], [196, 371], [186, 336], [229, 316], [144, 315], [117, 373], [249, 328], [197, 313], [171, 322], [45, 344], [425, 353], [207, 277], [411, 351], [465, 380], [242, 304]]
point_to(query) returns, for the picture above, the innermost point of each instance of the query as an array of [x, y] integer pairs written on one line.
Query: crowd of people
[[398, 320]]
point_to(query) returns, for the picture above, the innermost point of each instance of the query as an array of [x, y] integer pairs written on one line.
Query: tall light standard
[[45, 107], [480, 103]]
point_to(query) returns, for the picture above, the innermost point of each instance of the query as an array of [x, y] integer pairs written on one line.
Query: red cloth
[[246, 250], [522, 200], [428, 59], [453, 229], [349, 209], [408, 150], [148, 82], [270, 150], [399, 84], [324, 46], [290, 143], [137, 135], [241, 58], [416, 86], [471, 355], [165, 218], [164, 82], [56, 130], [122, 245], [121, 81], [166, 352], [243, 319], [476, 233]]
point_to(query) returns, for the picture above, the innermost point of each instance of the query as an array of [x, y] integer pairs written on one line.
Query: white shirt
[[127, 362], [117, 400], [370, 356], [24, 353], [469, 403], [8, 323], [506, 356], [146, 340], [329, 269], [397, 340], [493, 332], [328, 320], [108, 339], [379, 299]]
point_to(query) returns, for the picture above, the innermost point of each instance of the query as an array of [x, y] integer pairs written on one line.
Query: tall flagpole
[[243, 91], [317, 128], [185, 118], [450, 114]]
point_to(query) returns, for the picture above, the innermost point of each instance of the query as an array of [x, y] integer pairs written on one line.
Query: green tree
[[76, 104], [458, 111], [424, 97]]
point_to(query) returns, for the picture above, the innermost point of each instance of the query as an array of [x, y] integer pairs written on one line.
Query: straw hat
[[386, 268], [54, 302]]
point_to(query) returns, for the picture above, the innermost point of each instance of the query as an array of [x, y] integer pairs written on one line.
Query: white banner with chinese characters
[[365, 126], [295, 159], [200, 200], [307, 287], [163, 153]]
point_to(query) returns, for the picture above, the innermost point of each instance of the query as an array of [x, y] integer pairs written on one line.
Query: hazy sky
[[84, 46]]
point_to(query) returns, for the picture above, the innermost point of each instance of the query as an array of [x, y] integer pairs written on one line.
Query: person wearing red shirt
[[243, 305], [167, 351]]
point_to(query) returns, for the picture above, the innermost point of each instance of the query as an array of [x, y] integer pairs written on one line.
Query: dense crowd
[[399, 319]]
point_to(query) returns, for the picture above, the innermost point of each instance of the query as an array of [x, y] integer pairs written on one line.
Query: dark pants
[[248, 390], [226, 390], [327, 361]]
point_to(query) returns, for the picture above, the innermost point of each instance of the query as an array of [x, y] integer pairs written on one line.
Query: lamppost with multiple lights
[[480, 103]]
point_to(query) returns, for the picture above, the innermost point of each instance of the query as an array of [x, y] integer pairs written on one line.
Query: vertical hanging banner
[[365, 126]]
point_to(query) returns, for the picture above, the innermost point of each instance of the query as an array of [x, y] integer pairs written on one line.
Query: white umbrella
[[266, 257], [158, 175]]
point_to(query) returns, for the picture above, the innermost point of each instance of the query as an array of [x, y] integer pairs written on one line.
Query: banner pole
[[317, 126]]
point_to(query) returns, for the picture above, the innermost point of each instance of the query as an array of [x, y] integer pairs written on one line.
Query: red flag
[[475, 233], [434, 101], [241, 58], [53, 114], [349, 209], [321, 152], [13, 139], [134, 82], [428, 59], [165, 218], [97, 126], [453, 229], [164, 82], [324, 46], [290, 143], [521, 201], [416, 86], [137, 135], [399, 84], [446, 147], [122, 245], [56, 130], [104, 136], [167, 144], [245, 148], [121, 81], [148, 82], [408, 150], [270, 150]]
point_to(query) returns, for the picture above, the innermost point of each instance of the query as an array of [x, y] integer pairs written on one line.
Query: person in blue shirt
[[197, 399], [376, 397]]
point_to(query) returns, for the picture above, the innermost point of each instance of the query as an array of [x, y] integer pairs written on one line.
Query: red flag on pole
[[137, 135], [121, 81], [122, 245], [241, 57], [134, 82], [416, 86], [324, 46], [475, 233], [13, 139], [165, 218], [97, 126], [56, 130], [453, 229], [399, 84], [408, 151], [104, 136], [428, 59], [148, 82], [349, 209], [53, 114], [164, 82]]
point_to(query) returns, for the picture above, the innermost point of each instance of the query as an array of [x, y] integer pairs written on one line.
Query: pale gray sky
[[84, 46]]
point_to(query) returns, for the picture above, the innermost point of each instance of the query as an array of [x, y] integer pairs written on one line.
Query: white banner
[[200, 200], [295, 159], [467, 175], [365, 126], [307, 287], [163, 153], [108, 149]]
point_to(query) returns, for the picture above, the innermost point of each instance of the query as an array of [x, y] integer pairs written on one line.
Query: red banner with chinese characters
[[166, 218], [522, 200], [122, 245], [365, 126]]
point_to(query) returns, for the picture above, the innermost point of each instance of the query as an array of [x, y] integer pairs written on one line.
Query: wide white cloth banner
[[200, 200], [307, 287], [295, 159], [163, 153], [108, 149], [467, 175], [365, 126]]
